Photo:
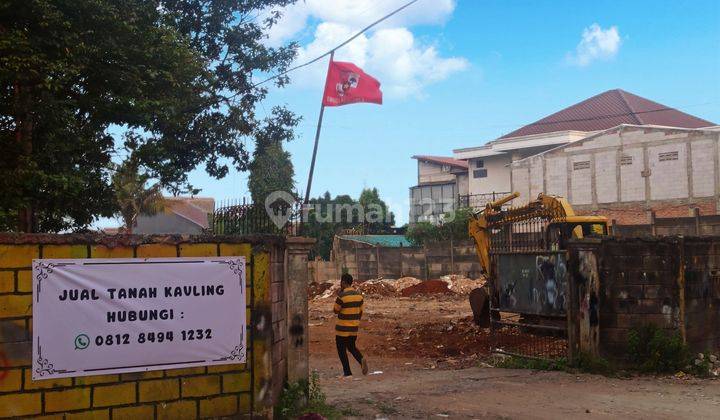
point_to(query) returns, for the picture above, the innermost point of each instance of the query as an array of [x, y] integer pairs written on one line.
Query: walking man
[[349, 309]]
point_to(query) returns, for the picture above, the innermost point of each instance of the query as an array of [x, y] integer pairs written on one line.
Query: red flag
[[346, 84]]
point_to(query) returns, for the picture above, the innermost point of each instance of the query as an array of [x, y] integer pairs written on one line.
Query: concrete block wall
[[198, 392], [673, 283], [630, 166], [364, 261]]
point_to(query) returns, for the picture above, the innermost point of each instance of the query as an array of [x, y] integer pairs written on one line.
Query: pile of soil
[[462, 285], [429, 287]]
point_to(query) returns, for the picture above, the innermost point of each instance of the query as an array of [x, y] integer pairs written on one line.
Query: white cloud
[[389, 52], [596, 44]]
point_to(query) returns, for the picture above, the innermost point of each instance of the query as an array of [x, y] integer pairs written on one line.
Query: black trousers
[[345, 344]]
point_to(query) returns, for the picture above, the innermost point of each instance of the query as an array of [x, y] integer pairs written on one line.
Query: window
[[479, 163], [662, 157], [626, 160], [584, 164], [480, 173]]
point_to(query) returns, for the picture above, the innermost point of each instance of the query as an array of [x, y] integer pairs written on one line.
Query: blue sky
[[461, 73]]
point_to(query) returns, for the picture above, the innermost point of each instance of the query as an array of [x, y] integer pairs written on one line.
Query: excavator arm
[[546, 206]]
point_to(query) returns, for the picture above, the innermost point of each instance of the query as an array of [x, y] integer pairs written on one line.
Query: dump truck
[[522, 252]]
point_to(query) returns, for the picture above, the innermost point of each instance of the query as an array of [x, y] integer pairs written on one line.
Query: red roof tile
[[442, 160], [607, 110]]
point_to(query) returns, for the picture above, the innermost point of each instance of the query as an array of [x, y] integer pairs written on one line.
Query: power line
[[320, 57]]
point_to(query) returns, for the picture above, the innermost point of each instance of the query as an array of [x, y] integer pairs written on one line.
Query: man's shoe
[[364, 365]]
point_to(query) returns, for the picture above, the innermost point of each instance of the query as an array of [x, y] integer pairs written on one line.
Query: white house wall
[[627, 165], [498, 175]]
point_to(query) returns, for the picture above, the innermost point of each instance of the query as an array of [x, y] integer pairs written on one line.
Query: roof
[[390, 241], [443, 160], [610, 109], [193, 209]]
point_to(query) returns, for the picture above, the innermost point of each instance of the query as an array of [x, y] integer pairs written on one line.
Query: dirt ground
[[427, 360]]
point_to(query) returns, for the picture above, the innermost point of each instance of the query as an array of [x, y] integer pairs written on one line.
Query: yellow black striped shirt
[[349, 308]]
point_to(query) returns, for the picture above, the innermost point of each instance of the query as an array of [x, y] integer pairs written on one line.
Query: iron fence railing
[[241, 217], [479, 201]]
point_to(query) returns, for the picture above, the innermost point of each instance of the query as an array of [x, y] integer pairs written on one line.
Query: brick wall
[[673, 283], [213, 391]]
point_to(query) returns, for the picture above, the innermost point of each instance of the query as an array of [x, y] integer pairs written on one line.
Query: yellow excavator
[[522, 254]]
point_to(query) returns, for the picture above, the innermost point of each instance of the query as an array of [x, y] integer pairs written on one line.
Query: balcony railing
[[479, 201]]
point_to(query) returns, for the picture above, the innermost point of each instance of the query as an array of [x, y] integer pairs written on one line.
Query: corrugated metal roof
[[610, 109], [390, 241], [442, 160]]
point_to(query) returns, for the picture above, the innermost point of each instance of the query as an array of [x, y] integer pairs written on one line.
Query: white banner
[[98, 316]]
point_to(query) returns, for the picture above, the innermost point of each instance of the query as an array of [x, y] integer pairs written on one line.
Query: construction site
[[538, 315]]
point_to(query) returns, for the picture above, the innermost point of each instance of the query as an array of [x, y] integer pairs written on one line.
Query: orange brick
[[71, 399], [236, 382], [45, 383], [15, 306], [24, 284], [158, 390], [102, 251], [7, 281], [219, 406], [119, 394], [185, 371], [18, 256], [97, 379], [200, 386], [12, 380], [198, 250], [156, 250], [183, 409], [65, 251], [17, 354], [13, 405], [50, 417], [89, 415], [134, 413]]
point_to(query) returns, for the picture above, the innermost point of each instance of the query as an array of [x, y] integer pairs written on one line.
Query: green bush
[[653, 350]]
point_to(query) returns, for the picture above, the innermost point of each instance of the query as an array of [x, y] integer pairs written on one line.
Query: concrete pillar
[[296, 266]]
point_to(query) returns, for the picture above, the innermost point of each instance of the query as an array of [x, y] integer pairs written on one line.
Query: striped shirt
[[349, 308]]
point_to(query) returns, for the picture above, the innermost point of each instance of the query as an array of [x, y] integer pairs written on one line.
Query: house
[[182, 215], [489, 164], [441, 181], [626, 170]]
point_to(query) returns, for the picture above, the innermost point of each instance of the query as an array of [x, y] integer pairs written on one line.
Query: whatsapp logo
[[82, 341]]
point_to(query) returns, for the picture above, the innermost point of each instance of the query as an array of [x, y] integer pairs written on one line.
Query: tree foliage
[[331, 216], [132, 196], [271, 168], [166, 83], [453, 226]]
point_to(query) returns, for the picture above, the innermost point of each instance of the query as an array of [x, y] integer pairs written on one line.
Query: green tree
[[378, 218], [167, 83], [270, 170], [453, 225], [132, 196]]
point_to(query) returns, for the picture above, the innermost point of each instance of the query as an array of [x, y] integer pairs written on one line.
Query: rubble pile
[[404, 286], [462, 285]]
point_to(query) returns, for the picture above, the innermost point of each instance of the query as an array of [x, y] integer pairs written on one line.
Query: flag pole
[[317, 138]]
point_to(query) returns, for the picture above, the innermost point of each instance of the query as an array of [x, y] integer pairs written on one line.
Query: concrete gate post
[[296, 265]]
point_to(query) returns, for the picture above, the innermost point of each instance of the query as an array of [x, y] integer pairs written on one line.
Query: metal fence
[[479, 201], [527, 337], [241, 217]]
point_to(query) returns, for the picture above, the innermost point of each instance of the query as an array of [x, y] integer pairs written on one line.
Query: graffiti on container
[[533, 284]]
